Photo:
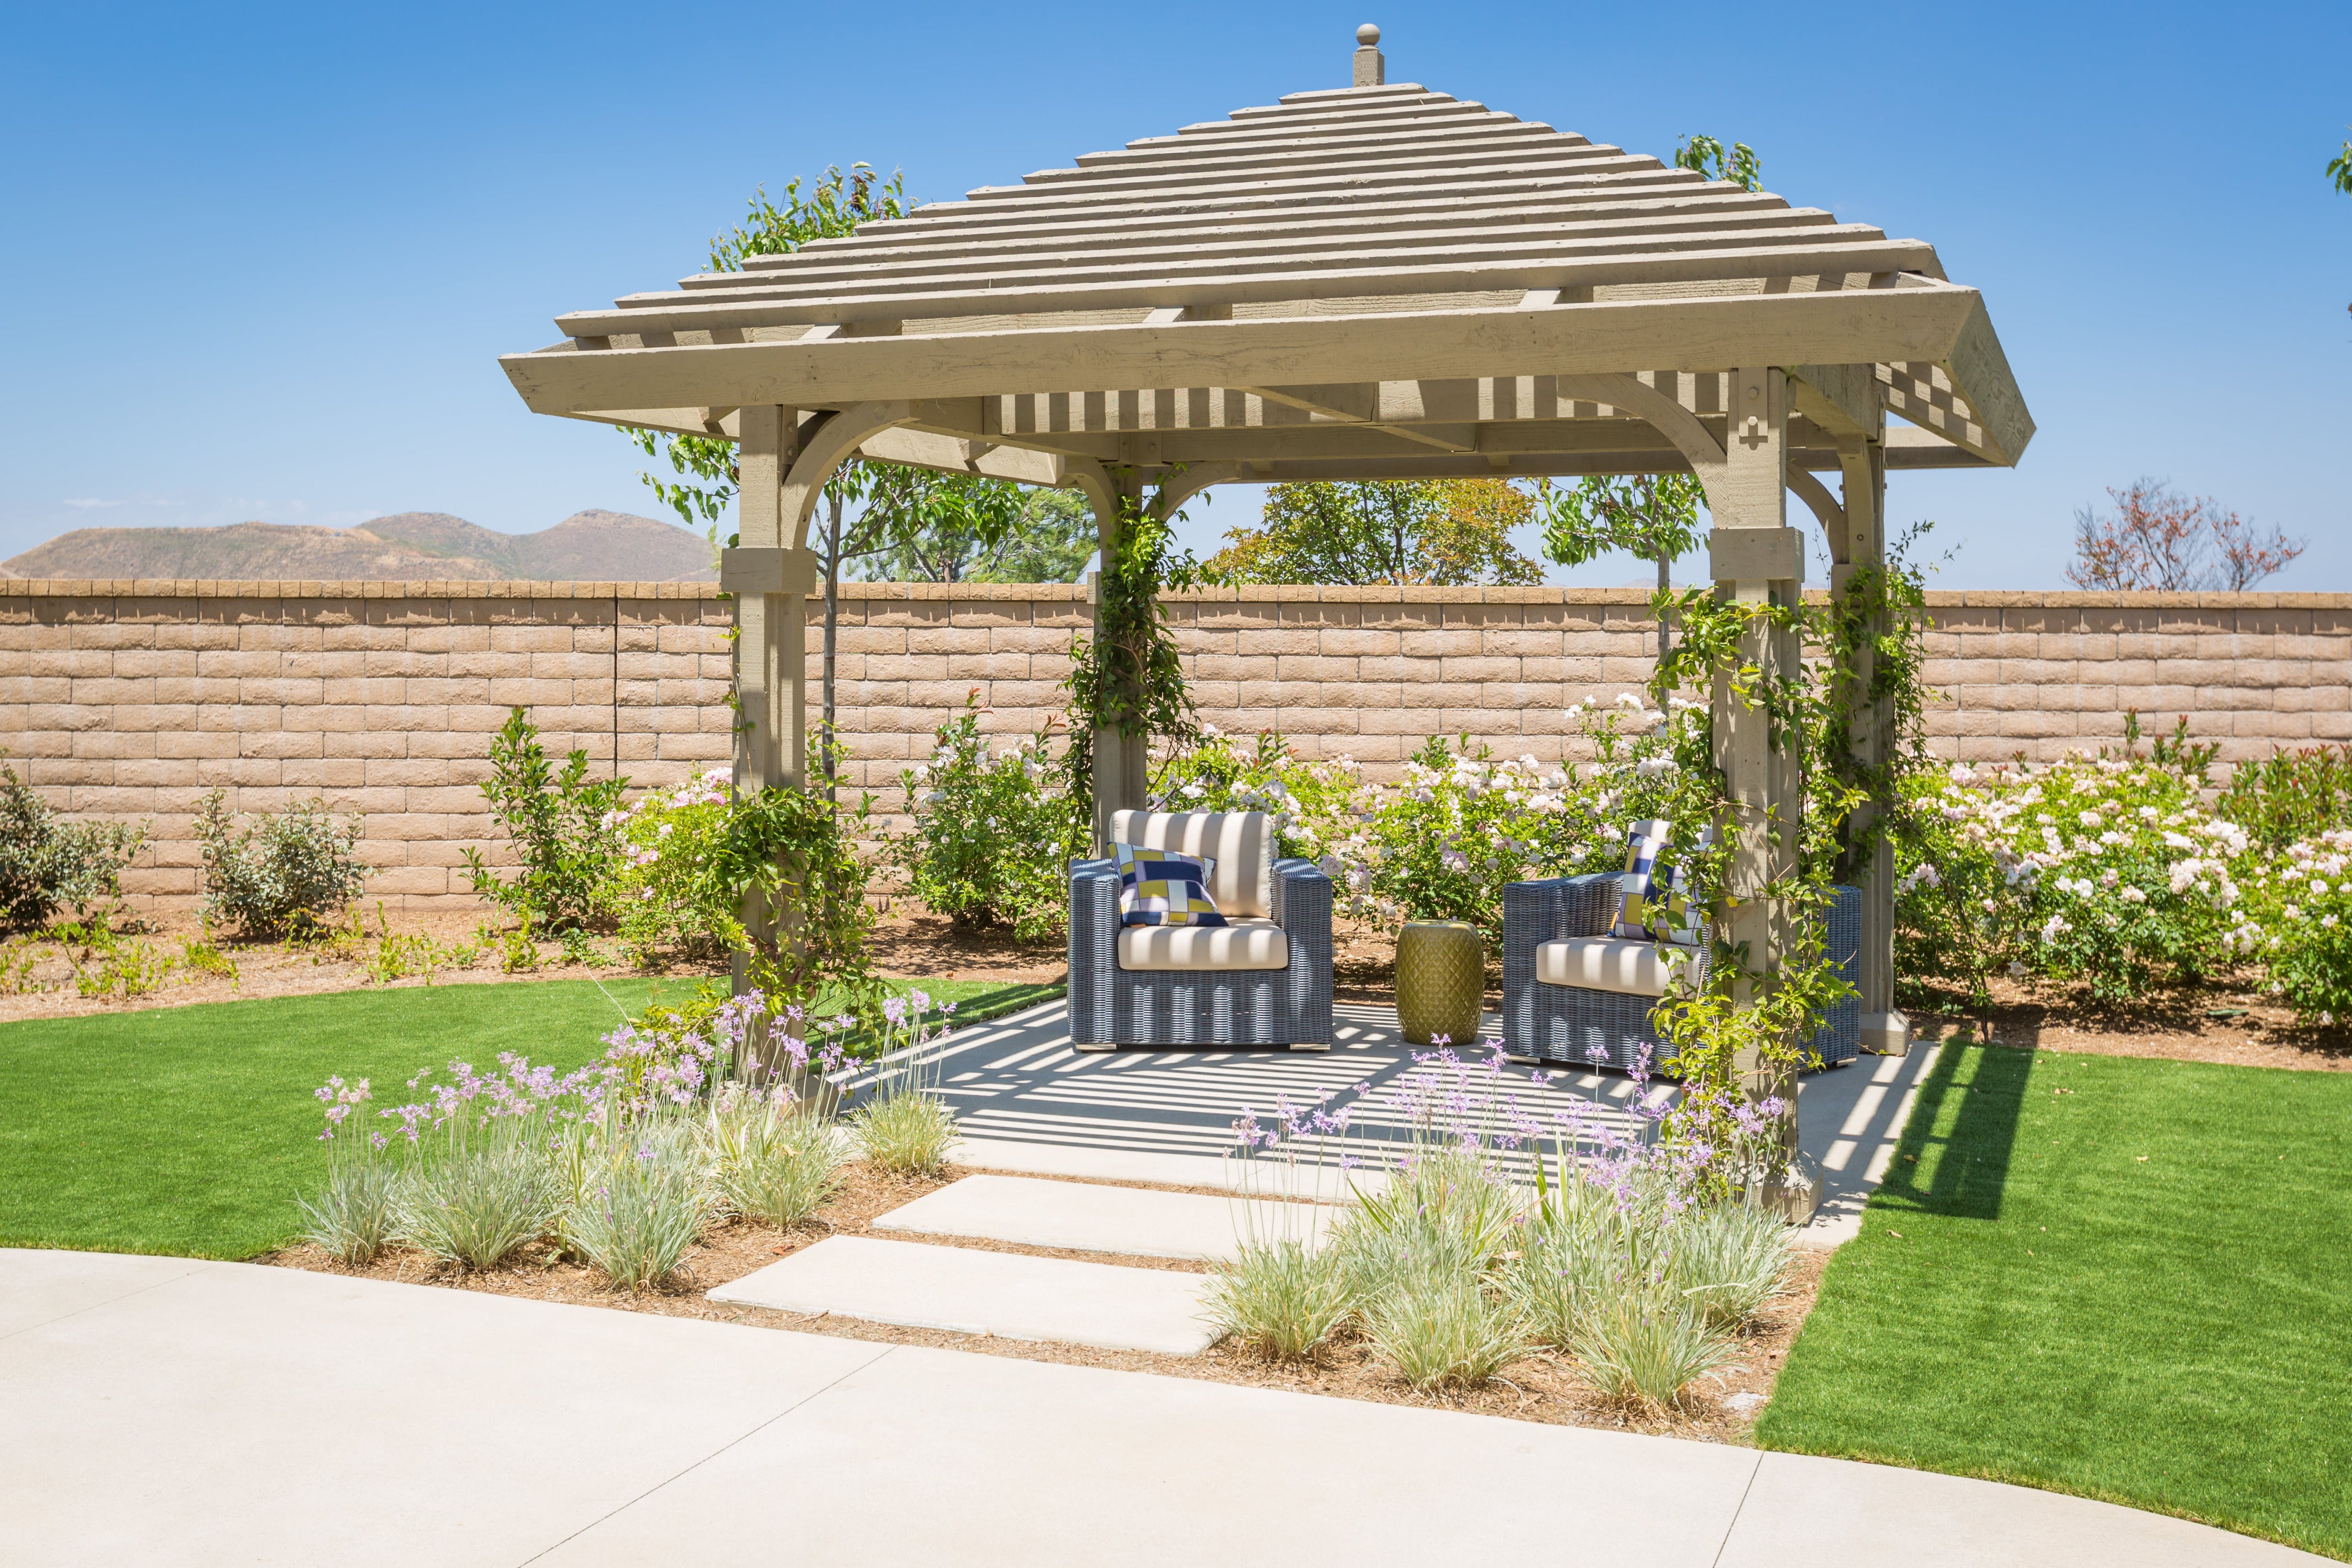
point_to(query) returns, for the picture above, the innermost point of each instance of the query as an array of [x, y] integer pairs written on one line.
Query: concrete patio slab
[[1027, 1103], [964, 1290], [237, 1415], [1089, 1217]]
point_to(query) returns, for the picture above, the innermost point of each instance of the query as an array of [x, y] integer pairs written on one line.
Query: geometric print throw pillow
[[1162, 887], [1668, 905], [1644, 841]]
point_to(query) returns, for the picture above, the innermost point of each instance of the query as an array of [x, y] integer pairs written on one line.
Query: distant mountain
[[409, 547]]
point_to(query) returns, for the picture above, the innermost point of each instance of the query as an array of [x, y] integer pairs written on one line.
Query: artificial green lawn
[[2031, 1300], [190, 1129]]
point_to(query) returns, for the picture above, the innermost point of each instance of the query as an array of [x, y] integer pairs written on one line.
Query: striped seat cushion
[[1163, 888]]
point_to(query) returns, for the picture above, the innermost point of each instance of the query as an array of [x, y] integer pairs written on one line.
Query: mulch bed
[[1540, 1387], [2231, 1025]]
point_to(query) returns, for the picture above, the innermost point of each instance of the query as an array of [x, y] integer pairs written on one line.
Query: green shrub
[[563, 825], [288, 871], [2294, 796], [47, 865], [995, 828]]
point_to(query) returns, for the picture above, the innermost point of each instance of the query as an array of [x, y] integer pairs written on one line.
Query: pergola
[[1374, 282]]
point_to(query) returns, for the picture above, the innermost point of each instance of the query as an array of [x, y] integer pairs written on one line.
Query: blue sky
[[261, 259]]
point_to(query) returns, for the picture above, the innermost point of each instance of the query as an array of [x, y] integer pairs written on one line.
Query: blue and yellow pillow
[[1644, 842], [1163, 888], [1668, 906]]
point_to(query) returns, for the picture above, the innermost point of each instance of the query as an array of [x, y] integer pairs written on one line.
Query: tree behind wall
[[1439, 533], [2158, 539], [835, 205]]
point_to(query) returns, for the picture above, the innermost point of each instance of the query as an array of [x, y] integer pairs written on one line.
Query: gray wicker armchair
[[1570, 990], [1265, 980]]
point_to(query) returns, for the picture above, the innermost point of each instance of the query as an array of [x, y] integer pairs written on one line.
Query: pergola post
[[771, 615], [1861, 544], [1122, 762], [770, 631], [1755, 558], [781, 465]]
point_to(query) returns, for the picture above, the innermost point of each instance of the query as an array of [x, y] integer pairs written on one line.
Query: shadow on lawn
[[1954, 1157]]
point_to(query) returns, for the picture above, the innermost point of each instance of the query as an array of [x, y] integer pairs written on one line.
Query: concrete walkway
[[168, 1410]]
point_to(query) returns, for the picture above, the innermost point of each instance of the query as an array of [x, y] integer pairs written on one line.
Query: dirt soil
[[1540, 1387], [39, 973], [2232, 1024]]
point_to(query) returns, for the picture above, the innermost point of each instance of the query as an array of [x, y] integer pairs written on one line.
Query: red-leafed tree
[[2156, 538]]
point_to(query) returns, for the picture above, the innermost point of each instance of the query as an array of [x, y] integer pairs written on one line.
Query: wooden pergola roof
[[1377, 281]]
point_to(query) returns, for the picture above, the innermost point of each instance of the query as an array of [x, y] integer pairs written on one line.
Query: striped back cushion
[[1644, 840], [1162, 887], [1236, 846]]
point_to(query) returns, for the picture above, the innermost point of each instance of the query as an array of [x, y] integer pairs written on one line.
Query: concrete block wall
[[134, 699]]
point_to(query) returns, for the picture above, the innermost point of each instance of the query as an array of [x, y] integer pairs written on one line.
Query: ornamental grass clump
[[905, 1129], [351, 1217], [476, 1185], [1726, 1260], [770, 1159], [1438, 1327], [1283, 1299], [1642, 1342], [646, 1205]]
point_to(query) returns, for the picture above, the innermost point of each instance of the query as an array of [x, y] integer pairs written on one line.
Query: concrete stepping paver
[[964, 1290], [1088, 1217]]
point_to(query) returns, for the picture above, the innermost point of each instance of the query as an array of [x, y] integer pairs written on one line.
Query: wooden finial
[[1370, 68]]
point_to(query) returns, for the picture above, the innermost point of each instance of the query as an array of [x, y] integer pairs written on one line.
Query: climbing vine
[[1864, 645], [1128, 676]]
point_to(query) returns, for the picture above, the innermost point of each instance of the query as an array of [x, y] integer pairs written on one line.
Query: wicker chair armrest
[[1560, 907], [1094, 905], [1302, 898]]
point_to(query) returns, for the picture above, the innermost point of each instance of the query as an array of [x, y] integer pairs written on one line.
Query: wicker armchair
[[1265, 980], [1590, 992]]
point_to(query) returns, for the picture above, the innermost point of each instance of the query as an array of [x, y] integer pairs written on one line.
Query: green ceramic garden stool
[[1441, 981]]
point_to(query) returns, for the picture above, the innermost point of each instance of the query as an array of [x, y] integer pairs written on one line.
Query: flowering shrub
[[2106, 870], [1443, 842], [995, 828], [668, 889], [2304, 931], [2293, 796], [2113, 871]]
